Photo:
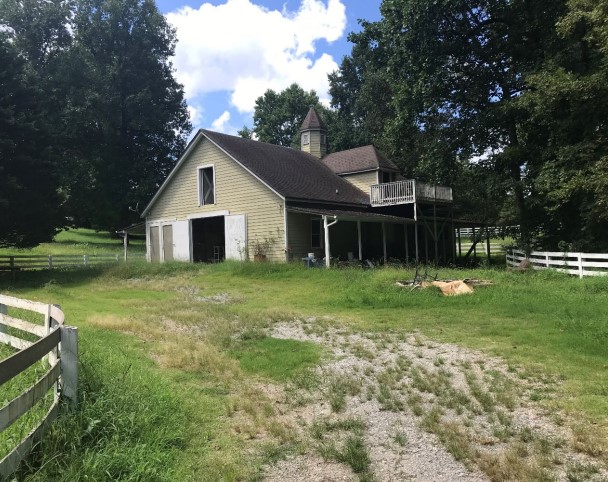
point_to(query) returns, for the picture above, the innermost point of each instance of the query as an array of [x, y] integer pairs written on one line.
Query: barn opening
[[208, 239]]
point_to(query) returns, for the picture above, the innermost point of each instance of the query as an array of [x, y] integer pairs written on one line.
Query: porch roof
[[351, 215]]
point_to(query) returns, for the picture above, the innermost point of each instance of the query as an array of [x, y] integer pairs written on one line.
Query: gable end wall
[[236, 191]]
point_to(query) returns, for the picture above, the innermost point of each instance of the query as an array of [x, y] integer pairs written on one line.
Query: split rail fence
[[580, 264], [27, 262], [55, 345]]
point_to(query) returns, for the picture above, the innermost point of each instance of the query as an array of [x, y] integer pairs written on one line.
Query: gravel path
[[424, 411]]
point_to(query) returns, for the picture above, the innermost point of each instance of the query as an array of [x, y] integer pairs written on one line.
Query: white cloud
[[222, 124], [246, 49], [196, 114]]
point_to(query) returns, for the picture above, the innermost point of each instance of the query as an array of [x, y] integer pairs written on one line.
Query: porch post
[[384, 242], [406, 246], [416, 226], [459, 244], [326, 232], [359, 241]]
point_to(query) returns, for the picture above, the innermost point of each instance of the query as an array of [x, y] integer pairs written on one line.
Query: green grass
[[159, 404], [275, 358], [81, 241]]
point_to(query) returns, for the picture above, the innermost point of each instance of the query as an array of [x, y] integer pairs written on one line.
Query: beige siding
[[236, 191], [317, 145], [363, 180], [298, 229]]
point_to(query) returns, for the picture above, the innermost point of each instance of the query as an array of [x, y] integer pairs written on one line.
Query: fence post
[[580, 265], [85, 259], [50, 261], [69, 363], [3, 311], [546, 260]]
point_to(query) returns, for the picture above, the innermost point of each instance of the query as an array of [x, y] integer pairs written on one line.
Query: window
[[315, 234], [206, 185], [305, 138]]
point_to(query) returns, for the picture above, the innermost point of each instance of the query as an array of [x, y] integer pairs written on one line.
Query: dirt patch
[[401, 407]]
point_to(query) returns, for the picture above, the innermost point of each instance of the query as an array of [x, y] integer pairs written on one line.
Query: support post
[[69, 363], [359, 240], [384, 243], [326, 232], [416, 227], [488, 245], [407, 254], [125, 241], [474, 244], [459, 244], [435, 227], [426, 246]]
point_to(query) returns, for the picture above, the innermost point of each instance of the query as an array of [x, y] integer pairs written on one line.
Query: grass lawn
[[172, 355], [81, 241]]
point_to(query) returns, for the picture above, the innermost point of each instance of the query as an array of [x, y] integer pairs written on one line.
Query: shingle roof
[[364, 158], [312, 121], [293, 174]]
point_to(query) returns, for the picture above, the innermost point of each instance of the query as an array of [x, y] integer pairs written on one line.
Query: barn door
[[154, 244], [181, 240], [168, 242], [235, 231]]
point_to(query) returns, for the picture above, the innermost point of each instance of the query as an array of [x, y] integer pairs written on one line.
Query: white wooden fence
[[581, 264], [57, 343], [29, 261]]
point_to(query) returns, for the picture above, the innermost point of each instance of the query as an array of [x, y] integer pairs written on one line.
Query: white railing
[[430, 192], [58, 345], [390, 193], [408, 191], [580, 264]]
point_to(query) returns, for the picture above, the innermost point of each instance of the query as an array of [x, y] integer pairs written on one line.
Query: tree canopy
[[114, 116]]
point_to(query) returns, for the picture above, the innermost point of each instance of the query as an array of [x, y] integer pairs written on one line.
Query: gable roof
[[290, 173], [366, 158], [312, 121]]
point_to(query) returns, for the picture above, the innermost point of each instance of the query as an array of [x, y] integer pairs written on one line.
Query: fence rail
[[57, 343], [580, 264], [28, 261]]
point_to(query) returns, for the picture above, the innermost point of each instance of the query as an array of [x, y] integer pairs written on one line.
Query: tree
[[455, 71], [126, 122], [568, 98], [278, 115], [30, 207]]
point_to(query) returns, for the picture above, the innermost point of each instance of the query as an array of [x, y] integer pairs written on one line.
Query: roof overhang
[[346, 215]]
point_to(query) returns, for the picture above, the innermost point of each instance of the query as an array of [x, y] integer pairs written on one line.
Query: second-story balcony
[[407, 192]]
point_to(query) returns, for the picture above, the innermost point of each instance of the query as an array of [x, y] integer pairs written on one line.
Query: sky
[[229, 52]]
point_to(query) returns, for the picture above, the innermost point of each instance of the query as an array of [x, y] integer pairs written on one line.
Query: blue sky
[[230, 52]]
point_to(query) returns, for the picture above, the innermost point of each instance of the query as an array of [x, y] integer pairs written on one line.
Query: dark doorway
[[208, 241]]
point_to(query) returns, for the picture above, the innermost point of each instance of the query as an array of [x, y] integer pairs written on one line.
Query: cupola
[[313, 134]]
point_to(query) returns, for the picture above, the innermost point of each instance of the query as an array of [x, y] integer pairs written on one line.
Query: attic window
[[305, 138], [206, 185]]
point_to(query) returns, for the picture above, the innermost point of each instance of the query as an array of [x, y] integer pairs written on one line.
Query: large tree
[[455, 70], [568, 98], [30, 207], [127, 120], [278, 115]]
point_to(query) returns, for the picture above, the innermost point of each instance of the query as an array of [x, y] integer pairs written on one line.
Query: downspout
[[326, 227]]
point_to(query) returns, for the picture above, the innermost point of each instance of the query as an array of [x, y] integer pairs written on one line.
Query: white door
[[181, 240], [235, 233]]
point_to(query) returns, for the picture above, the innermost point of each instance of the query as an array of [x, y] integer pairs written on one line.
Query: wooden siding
[[363, 180], [298, 229], [317, 145], [236, 191]]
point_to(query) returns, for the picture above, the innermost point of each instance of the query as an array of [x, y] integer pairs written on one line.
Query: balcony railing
[[408, 191]]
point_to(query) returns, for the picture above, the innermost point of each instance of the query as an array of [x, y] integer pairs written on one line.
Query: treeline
[[505, 100], [91, 117]]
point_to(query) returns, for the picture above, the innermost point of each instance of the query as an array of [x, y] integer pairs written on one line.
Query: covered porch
[[339, 235]]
